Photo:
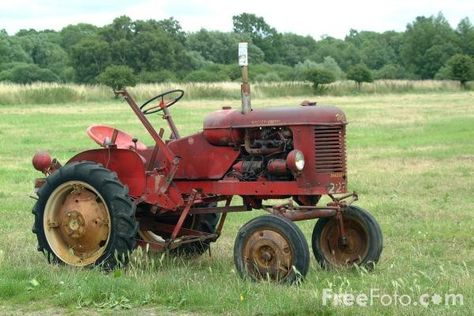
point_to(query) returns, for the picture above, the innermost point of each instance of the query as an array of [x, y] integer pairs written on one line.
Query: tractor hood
[[280, 116]]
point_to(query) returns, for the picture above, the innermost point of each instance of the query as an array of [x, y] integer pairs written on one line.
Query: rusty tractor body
[[174, 195]]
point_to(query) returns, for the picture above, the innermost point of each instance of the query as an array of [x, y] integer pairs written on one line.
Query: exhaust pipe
[[245, 87]]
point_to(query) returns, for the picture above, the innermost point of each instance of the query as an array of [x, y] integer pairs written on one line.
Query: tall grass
[[53, 93]]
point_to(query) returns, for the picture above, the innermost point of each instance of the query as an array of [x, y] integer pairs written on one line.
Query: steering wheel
[[162, 105]]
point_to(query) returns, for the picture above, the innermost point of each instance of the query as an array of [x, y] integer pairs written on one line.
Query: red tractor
[[104, 202]]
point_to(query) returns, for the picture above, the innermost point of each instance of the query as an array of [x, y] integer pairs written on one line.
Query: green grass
[[410, 156]]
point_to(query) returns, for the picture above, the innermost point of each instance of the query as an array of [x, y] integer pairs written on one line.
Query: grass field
[[410, 157]]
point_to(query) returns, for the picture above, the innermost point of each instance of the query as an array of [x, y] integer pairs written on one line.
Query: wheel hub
[[353, 250], [267, 255], [74, 225]]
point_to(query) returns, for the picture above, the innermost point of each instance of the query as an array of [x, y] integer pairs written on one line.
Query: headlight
[[295, 160]]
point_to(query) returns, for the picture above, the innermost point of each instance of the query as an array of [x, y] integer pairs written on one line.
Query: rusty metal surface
[[333, 209], [299, 213], [174, 130], [333, 182], [354, 247], [224, 137], [100, 133], [128, 165], [268, 254], [201, 160], [224, 209], [77, 223], [273, 189], [281, 116], [152, 232], [330, 149], [183, 215], [169, 155], [258, 151]]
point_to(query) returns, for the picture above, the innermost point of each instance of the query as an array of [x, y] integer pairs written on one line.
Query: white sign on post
[[243, 55]]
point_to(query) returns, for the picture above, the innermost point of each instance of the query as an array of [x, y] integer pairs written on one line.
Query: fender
[[128, 165]]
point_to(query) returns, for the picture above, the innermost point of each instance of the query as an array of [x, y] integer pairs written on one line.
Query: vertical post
[[245, 87]]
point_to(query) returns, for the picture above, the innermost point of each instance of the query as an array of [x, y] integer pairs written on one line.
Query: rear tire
[[202, 222], [206, 223], [85, 217]]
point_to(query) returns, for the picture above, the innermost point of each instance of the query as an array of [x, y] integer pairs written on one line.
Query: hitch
[[298, 213]]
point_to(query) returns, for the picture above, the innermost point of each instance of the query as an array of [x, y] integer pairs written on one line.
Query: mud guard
[[128, 164]]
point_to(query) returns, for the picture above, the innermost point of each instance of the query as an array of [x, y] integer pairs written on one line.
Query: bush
[[359, 73], [286, 73], [328, 64], [460, 68], [28, 73], [319, 76], [117, 77]]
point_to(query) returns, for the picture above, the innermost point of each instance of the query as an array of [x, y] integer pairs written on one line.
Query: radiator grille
[[330, 149]]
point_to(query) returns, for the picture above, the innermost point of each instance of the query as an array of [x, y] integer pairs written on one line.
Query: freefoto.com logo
[[375, 297]]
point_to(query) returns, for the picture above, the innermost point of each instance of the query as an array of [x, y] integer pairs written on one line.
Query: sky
[[315, 18]]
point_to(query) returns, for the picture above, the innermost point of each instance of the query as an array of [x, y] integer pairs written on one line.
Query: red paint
[[277, 167], [284, 116], [99, 133], [128, 165], [42, 161], [210, 161]]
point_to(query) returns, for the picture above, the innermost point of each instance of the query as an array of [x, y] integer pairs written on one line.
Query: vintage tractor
[[102, 203]]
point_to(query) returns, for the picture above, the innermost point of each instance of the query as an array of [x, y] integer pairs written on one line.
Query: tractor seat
[[102, 134]]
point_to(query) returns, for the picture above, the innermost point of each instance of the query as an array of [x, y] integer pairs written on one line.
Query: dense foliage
[[359, 73], [160, 51]]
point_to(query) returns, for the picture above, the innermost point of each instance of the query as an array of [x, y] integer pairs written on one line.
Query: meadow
[[410, 158]]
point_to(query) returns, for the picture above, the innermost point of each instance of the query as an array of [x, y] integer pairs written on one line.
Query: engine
[[264, 153]]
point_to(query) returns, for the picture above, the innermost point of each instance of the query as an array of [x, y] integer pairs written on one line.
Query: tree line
[[127, 51]]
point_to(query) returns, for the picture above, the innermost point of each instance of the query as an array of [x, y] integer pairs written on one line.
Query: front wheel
[[271, 248], [85, 217], [364, 240]]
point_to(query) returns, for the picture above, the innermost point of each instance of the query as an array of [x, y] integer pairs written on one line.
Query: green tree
[[11, 50], [460, 68], [328, 64], [318, 77], [359, 73], [427, 44], [296, 48], [391, 71], [375, 50], [261, 34], [344, 53], [117, 77], [89, 58], [73, 34], [465, 33], [215, 46]]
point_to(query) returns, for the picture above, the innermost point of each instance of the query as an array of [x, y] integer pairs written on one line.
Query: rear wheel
[[364, 240], [271, 248], [85, 217], [206, 223]]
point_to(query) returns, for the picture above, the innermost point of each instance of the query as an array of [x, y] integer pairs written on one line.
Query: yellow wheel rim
[[77, 223]]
